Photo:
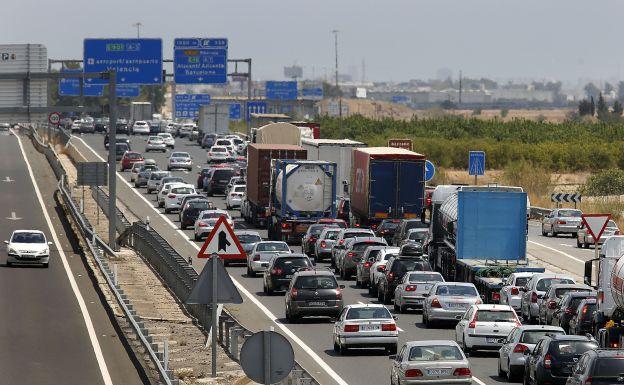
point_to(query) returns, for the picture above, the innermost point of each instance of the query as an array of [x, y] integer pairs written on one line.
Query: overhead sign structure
[[187, 105], [314, 93], [235, 111], [401, 143], [429, 170], [54, 118], [256, 108], [71, 86], [223, 242], [596, 224], [281, 90], [127, 90], [136, 61], [200, 61], [476, 163]]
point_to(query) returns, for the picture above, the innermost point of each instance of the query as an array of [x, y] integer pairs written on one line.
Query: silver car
[[260, 256], [325, 243], [153, 182], [534, 291], [365, 326], [378, 268], [410, 293], [520, 339], [179, 160], [447, 300], [584, 238], [510, 293], [155, 143], [550, 301], [345, 234], [430, 362], [562, 221], [362, 272]]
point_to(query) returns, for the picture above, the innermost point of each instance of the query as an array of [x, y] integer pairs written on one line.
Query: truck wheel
[[578, 244], [555, 234], [586, 245]]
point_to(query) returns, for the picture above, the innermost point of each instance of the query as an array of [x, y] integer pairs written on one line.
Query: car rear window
[[133, 155], [416, 225], [609, 367], [418, 235], [522, 281], [173, 180], [389, 225], [218, 149], [289, 265], [248, 238], [157, 175], [359, 247], [533, 336], [570, 213], [495, 316], [404, 265], [316, 229], [221, 174], [213, 214], [368, 313], [566, 348], [561, 292], [331, 235], [198, 204], [435, 353], [460, 290], [180, 155], [590, 310], [272, 246], [312, 282], [545, 283], [183, 190], [358, 234], [424, 277]]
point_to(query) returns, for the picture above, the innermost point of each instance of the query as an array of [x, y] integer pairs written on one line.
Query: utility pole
[[460, 86], [335, 32], [138, 25]]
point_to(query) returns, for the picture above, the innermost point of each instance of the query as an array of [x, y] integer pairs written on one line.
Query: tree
[[608, 88], [591, 90], [593, 106], [617, 108], [621, 91], [584, 107], [602, 108]]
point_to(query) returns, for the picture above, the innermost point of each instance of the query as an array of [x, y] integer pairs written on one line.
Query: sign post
[[596, 224], [476, 164]]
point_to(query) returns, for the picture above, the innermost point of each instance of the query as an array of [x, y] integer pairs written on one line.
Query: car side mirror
[[6, 242]]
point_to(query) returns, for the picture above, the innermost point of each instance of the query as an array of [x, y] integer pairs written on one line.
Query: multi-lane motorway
[[312, 338]]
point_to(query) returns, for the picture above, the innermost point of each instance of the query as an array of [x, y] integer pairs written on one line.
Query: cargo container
[[302, 192], [259, 157], [386, 183], [140, 111], [338, 151], [214, 118], [313, 126], [277, 133]]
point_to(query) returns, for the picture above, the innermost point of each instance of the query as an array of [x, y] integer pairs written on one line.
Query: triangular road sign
[[202, 291], [223, 242], [596, 224]]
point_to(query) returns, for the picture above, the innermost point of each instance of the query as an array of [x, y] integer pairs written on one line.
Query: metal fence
[[121, 222], [539, 212]]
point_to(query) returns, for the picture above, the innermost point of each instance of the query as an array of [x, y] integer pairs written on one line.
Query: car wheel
[[264, 288], [387, 299], [396, 307], [250, 272], [343, 350], [544, 233], [586, 245], [357, 281], [511, 375], [425, 320], [9, 264], [555, 234], [197, 238], [379, 295], [160, 204], [269, 291], [183, 226], [336, 347], [578, 244], [500, 370], [465, 348]]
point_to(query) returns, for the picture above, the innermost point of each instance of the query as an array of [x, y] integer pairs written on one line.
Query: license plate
[[492, 340], [438, 372], [369, 328], [457, 305], [317, 303], [418, 301], [289, 276]]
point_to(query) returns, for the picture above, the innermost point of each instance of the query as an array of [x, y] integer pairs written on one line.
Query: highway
[[53, 327], [311, 338]]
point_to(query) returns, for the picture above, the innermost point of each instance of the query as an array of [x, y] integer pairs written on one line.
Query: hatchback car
[[325, 242], [155, 143], [521, 339], [28, 247], [190, 211], [599, 367], [404, 226], [362, 270], [378, 268], [430, 362], [417, 235], [396, 268], [208, 140], [550, 302], [140, 127], [153, 182], [180, 160], [365, 326], [386, 228], [260, 256], [313, 293], [174, 198], [343, 235], [353, 254], [584, 238], [581, 321], [308, 241], [218, 154], [411, 291], [120, 150], [207, 219], [129, 158], [144, 174], [413, 249], [510, 293], [235, 197], [447, 300], [567, 307], [217, 180], [281, 269], [165, 185], [562, 221], [248, 239], [485, 327], [168, 139], [534, 291]]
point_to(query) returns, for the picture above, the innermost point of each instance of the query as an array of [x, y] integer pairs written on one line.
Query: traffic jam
[[316, 218]]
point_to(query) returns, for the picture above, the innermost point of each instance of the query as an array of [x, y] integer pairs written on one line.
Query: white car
[[75, 127], [260, 256], [180, 160], [534, 291], [521, 339], [411, 291], [164, 191], [153, 182], [175, 195], [135, 169], [217, 154], [485, 327], [171, 128], [186, 129], [155, 143], [28, 246], [168, 139], [510, 293], [140, 127], [234, 197], [378, 268], [365, 326], [206, 220], [227, 143]]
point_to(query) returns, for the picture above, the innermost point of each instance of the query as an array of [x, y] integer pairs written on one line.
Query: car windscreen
[[459, 290], [182, 190], [272, 246], [435, 353], [545, 283], [495, 316], [180, 155], [424, 277], [570, 213], [24, 237], [533, 336], [418, 235], [369, 313], [248, 238], [360, 247], [566, 348], [522, 281], [609, 367], [222, 174], [561, 292], [315, 230], [315, 282], [405, 265], [133, 155], [121, 148], [289, 265]]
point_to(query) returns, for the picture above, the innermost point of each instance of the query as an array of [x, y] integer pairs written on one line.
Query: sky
[[397, 39]]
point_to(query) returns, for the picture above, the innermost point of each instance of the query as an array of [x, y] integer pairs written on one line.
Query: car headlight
[[44, 252], [12, 251]]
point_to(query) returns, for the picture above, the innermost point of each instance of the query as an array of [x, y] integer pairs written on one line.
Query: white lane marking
[[81, 303], [478, 381], [8, 179], [558, 251], [13, 217], [240, 287]]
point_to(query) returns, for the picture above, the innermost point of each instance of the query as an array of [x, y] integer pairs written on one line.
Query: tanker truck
[[302, 192]]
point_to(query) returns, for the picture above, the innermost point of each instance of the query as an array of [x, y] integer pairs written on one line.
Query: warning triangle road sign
[[223, 242], [596, 224], [226, 290]]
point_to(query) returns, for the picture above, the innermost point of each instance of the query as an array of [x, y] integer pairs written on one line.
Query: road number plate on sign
[[438, 372], [317, 303], [369, 328]]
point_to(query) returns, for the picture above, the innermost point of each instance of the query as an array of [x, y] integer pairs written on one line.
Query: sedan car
[[365, 326], [343, 235], [153, 182], [562, 221], [155, 143], [235, 197], [362, 270], [534, 291], [217, 154], [164, 191], [168, 139], [325, 242], [551, 300], [434, 362], [174, 198], [353, 254], [143, 175], [248, 239], [190, 211], [28, 247], [206, 220], [396, 268], [140, 127], [129, 159], [411, 292], [510, 293], [386, 228], [260, 256], [447, 300], [581, 321], [521, 339], [584, 238], [178, 160], [313, 293], [281, 269], [485, 327]]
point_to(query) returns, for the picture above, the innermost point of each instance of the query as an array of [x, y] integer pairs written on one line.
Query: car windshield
[[222, 174], [248, 238], [272, 246], [315, 230], [369, 313], [495, 316], [316, 282], [424, 277], [183, 190], [570, 213], [533, 336], [331, 235], [180, 155], [435, 353], [155, 138], [522, 281], [563, 348], [121, 148], [456, 290], [289, 265], [418, 235], [26, 237], [133, 155], [545, 283], [199, 205], [561, 292], [609, 367]]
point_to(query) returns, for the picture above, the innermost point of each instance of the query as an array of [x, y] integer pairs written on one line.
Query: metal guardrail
[[538, 212]]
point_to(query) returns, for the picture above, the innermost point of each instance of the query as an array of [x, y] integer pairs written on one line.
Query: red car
[[129, 158]]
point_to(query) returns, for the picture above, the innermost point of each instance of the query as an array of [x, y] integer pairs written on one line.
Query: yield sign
[[223, 242], [596, 224]]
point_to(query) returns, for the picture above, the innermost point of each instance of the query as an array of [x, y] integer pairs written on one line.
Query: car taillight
[[374, 227], [515, 291], [311, 240], [390, 276], [367, 265], [256, 258], [388, 327], [568, 310], [561, 222], [495, 297], [413, 373], [552, 304], [473, 323], [534, 297], [588, 381], [323, 244], [410, 288], [462, 372], [600, 297], [276, 271], [293, 293], [171, 196], [547, 361], [351, 328], [341, 242], [436, 303], [520, 348], [202, 224], [338, 294], [350, 254], [285, 225], [584, 310]]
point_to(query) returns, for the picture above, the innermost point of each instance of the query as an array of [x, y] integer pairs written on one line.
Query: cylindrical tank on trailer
[[617, 283], [305, 187]]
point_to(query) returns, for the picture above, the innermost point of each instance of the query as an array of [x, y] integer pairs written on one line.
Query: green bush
[[607, 182]]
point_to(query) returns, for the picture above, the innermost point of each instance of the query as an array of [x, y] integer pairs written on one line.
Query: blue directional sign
[[197, 60], [281, 90], [137, 61], [127, 90], [256, 108], [71, 86], [476, 163], [235, 111], [429, 171], [312, 93], [187, 105]]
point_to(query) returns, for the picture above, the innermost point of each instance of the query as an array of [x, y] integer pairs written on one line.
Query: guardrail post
[[166, 354], [295, 376], [115, 275], [236, 332], [222, 321]]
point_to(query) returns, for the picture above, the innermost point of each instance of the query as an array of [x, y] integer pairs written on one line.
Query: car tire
[[269, 291], [343, 350], [555, 234], [9, 264], [511, 374], [465, 348], [167, 211], [336, 347], [182, 226], [586, 245], [250, 273], [501, 373], [160, 204], [197, 238], [544, 233], [387, 300], [46, 265], [379, 295]]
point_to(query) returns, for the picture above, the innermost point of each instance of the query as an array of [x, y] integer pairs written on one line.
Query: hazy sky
[[398, 39]]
